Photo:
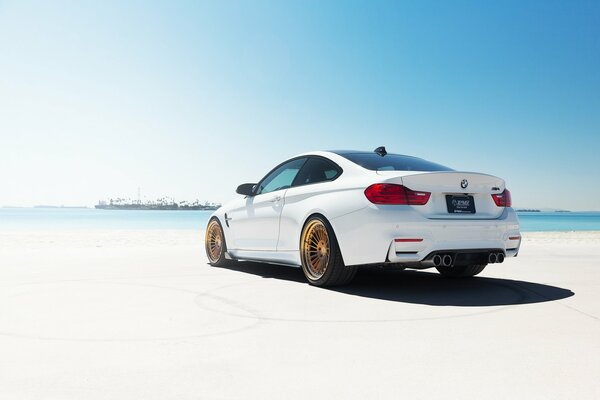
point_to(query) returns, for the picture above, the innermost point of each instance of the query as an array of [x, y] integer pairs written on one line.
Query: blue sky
[[188, 99]]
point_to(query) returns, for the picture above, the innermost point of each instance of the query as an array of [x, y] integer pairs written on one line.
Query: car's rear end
[[430, 218]]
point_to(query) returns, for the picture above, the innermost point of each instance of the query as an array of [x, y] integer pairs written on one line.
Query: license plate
[[460, 204]]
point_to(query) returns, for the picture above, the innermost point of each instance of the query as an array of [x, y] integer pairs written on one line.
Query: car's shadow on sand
[[424, 287]]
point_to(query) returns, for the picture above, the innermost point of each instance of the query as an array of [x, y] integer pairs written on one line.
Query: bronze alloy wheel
[[316, 249], [214, 242]]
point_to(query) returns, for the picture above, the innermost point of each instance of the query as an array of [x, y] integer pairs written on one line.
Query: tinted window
[[393, 162], [317, 170], [282, 177]]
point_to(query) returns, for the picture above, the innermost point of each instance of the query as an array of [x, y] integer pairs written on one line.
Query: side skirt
[[290, 258]]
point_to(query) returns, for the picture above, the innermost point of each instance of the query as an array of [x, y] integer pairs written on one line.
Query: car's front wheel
[[214, 243], [463, 271], [322, 261]]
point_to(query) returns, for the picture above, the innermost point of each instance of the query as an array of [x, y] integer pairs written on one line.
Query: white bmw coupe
[[332, 211]]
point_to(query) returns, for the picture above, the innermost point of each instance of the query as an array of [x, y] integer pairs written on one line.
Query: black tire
[[215, 257], [464, 271], [334, 272]]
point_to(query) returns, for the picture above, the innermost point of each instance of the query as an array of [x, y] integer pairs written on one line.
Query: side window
[[317, 170], [282, 177]]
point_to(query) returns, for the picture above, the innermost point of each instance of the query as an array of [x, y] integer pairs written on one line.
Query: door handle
[[275, 199]]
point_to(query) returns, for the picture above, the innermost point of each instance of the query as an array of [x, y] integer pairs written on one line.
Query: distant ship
[[155, 206]]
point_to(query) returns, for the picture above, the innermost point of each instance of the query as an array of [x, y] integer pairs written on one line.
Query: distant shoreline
[[44, 206]]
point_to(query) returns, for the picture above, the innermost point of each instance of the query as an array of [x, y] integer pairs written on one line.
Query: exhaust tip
[[437, 260], [492, 258], [447, 260], [499, 258]]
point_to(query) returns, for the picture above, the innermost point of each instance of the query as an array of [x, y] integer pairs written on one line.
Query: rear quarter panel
[[330, 199]]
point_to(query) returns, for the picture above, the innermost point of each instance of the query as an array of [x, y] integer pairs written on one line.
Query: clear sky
[[189, 99]]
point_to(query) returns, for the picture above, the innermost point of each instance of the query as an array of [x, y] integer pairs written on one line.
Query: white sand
[[139, 315]]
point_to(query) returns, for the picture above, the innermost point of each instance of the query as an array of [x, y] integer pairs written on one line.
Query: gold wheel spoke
[[315, 249], [214, 241]]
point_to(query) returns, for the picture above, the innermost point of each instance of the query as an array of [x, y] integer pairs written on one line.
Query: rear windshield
[[393, 162]]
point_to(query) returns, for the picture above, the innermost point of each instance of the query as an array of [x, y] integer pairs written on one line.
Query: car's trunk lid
[[454, 195]]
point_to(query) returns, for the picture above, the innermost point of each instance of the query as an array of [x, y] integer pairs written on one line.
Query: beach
[[134, 313], [329, 134]]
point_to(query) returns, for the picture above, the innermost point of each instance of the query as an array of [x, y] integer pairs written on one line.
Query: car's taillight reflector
[[388, 193], [415, 240], [502, 199]]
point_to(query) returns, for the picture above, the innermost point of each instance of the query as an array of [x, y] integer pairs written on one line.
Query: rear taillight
[[387, 193], [502, 199]]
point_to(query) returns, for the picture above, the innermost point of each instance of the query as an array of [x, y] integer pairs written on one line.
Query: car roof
[[344, 152]]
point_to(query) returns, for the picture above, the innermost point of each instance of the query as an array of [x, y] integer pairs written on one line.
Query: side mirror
[[247, 189]]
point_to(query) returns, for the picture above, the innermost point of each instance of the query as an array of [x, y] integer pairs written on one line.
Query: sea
[[90, 218]]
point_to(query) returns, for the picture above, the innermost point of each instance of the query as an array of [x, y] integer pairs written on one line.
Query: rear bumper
[[367, 236]]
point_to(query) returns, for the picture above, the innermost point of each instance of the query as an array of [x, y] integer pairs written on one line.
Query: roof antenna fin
[[381, 151]]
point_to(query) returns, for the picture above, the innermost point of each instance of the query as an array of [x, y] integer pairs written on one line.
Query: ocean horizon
[[90, 218]]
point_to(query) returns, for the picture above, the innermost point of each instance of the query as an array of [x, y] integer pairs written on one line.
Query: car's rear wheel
[[463, 271], [322, 261], [214, 243]]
